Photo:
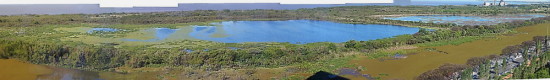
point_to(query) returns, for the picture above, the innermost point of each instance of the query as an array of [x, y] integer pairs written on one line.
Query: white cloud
[[174, 3]]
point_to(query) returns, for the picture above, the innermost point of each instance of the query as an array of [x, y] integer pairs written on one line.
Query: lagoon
[[465, 20], [292, 31]]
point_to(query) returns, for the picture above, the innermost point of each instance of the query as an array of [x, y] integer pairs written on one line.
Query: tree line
[[348, 14]]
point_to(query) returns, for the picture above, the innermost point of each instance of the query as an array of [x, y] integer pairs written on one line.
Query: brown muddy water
[[13, 69], [424, 60], [407, 68]]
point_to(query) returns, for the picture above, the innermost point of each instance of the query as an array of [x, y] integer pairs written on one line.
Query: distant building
[[501, 3], [487, 4]]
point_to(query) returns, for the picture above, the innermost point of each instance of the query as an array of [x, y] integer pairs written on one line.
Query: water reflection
[[69, 74], [465, 20], [295, 31], [292, 31], [102, 30]]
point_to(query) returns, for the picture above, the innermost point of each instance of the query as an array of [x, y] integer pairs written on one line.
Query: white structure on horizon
[[501, 3], [487, 4]]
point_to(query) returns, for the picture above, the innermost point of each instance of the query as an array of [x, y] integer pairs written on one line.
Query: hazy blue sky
[[480, 0]]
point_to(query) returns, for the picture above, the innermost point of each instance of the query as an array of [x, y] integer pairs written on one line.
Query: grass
[[308, 67], [137, 32], [456, 41], [465, 39], [458, 53], [74, 29], [332, 65], [380, 53]]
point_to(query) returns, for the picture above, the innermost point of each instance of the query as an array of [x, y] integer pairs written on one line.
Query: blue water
[[440, 18], [298, 31], [293, 31], [465, 20], [102, 30]]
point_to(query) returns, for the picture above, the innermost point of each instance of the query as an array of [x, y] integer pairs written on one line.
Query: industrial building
[[494, 3]]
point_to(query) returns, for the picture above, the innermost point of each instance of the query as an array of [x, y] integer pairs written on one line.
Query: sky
[[174, 3], [480, 0]]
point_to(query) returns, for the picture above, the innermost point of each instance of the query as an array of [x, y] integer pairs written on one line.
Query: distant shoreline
[[59, 9]]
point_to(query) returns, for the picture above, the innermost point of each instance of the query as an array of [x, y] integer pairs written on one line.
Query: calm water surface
[[293, 31], [102, 30], [465, 20]]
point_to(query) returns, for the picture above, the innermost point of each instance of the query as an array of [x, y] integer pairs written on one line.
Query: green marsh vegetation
[[46, 39], [429, 58], [532, 63]]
